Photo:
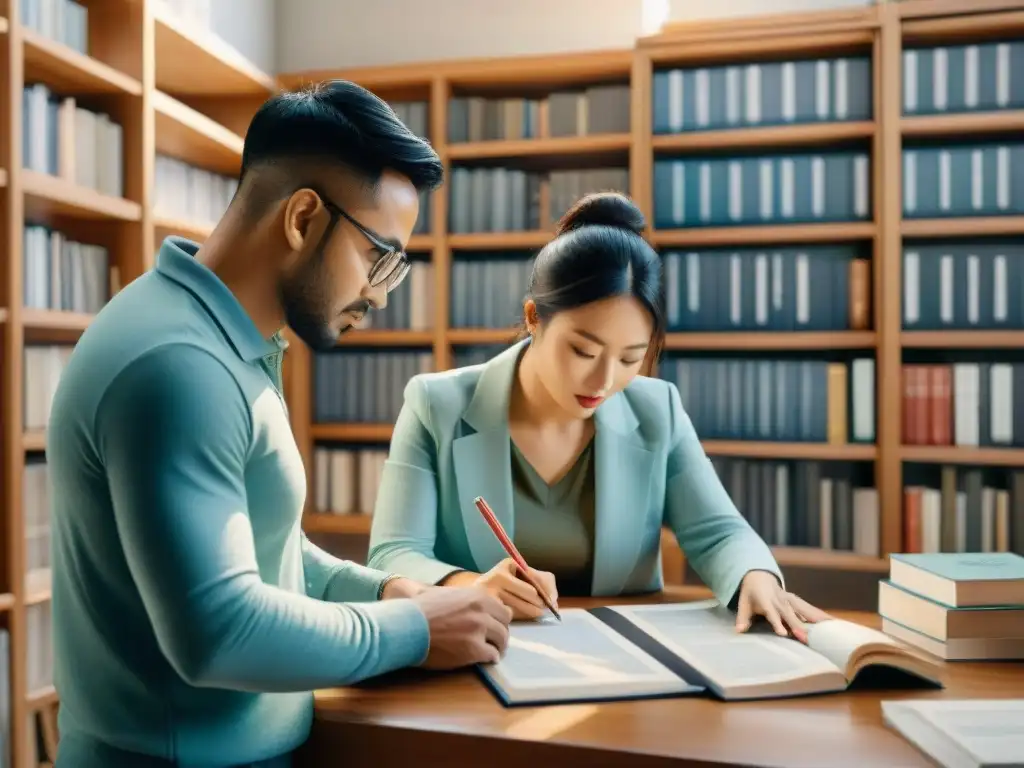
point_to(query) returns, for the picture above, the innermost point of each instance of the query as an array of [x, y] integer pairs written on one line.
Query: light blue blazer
[[451, 444]]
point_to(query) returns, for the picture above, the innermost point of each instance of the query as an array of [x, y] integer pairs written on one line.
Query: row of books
[[963, 78], [826, 505], [35, 501], [947, 286], [963, 509], [487, 290], [991, 175], [187, 193], [817, 288], [44, 365], [346, 479], [771, 189], [761, 94], [62, 274], [967, 404], [39, 653], [63, 21], [63, 139], [364, 387], [598, 109], [784, 400], [963, 286], [509, 200], [957, 606], [411, 307], [493, 200]]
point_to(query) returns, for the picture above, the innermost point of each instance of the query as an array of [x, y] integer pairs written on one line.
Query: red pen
[[509, 547]]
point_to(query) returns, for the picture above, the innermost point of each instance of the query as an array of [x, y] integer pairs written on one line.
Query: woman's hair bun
[[608, 209]]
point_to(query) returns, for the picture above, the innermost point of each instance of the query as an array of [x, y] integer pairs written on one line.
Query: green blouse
[[554, 524]]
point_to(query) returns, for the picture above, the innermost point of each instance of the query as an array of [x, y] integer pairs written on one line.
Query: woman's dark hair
[[599, 252]]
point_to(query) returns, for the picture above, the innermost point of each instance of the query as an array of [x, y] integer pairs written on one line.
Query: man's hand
[[467, 626], [401, 587]]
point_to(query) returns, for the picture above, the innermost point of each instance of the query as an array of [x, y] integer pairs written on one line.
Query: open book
[[962, 734], [646, 651]]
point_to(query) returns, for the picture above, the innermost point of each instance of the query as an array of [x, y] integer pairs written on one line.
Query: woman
[[582, 459]]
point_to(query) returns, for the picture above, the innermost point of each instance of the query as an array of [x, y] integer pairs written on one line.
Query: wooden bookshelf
[[878, 31], [207, 94]]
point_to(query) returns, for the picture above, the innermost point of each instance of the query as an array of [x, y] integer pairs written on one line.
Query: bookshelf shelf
[[777, 450], [38, 596], [829, 559], [597, 148], [33, 441], [189, 135], [168, 225], [383, 338], [420, 243], [979, 339], [192, 62], [51, 196], [42, 698], [54, 320], [3, 178], [326, 522], [352, 433], [954, 454], [967, 124], [6, 601], [812, 135], [497, 241], [758, 235], [4, 25], [472, 336], [767, 340], [981, 226], [69, 71]]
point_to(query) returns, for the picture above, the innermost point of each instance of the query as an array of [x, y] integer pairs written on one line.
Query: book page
[[580, 652], [755, 663], [839, 641], [990, 731]]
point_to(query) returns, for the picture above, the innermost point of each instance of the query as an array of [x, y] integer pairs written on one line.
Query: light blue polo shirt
[[192, 618]]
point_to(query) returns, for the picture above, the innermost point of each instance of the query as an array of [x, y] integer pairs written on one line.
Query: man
[[192, 618]]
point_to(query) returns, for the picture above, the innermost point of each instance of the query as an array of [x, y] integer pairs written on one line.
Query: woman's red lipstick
[[589, 402]]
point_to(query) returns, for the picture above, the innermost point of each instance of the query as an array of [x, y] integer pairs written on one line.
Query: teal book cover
[[975, 566]]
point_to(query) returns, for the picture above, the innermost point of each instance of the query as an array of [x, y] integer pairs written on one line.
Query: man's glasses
[[392, 266]]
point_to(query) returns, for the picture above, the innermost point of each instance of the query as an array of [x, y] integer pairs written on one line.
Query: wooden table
[[416, 719]]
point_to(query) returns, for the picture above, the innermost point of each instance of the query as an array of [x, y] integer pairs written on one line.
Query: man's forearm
[[268, 639]]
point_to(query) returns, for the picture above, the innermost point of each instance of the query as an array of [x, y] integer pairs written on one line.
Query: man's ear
[[305, 221]]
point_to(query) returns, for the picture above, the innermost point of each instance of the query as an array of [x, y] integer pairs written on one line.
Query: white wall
[[328, 34], [248, 25]]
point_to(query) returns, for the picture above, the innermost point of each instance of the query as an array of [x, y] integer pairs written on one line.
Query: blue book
[[962, 580]]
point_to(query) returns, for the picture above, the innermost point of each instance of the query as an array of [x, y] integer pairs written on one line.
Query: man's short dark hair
[[338, 122]]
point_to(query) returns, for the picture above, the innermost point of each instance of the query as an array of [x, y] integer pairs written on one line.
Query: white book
[[646, 651], [976, 733]]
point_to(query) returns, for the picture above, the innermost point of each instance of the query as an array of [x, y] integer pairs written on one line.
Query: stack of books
[[959, 607]]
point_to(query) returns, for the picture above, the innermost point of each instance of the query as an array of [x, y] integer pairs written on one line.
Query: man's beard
[[307, 304]]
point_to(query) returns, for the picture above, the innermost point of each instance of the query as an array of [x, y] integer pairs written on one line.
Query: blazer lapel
[[483, 460], [622, 478]]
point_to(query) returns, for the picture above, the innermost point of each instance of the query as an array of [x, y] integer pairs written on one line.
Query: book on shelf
[[647, 651], [977, 733], [967, 513]]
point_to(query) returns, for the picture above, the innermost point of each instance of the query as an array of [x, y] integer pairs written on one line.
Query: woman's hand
[[761, 595], [503, 582]]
